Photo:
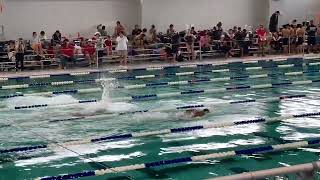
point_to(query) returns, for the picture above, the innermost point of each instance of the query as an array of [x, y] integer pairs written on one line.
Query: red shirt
[[87, 49], [262, 34], [67, 50], [108, 42]]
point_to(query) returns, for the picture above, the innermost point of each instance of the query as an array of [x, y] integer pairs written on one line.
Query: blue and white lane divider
[[59, 83], [144, 69], [160, 132], [184, 160], [177, 94], [178, 108], [211, 91], [138, 86], [189, 73], [184, 107]]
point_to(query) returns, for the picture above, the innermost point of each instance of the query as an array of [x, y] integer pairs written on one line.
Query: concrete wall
[[203, 13], [295, 9], [22, 17]]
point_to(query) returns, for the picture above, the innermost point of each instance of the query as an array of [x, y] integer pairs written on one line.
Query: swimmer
[[194, 113], [93, 113]]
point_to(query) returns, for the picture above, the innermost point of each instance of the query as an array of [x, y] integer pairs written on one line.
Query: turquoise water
[[31, 127]]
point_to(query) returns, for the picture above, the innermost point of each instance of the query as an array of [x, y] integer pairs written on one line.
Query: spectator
[[294, 22], [205, 41], [57, 37], [153, 34], [293, 37], [226, 45], [119, 29], [285, 39], [67, 55], [19, 54], [136, 31], [42, 36], [171, 31], [43, 40], [276, 41], [11, 51], [262, 38], [36, 45], [193, 31], [216, 35], [189, 39], [172, 48], [311, 31], [108, 45], [122, 48], [300, 32], [274, 20], [238, 36], [89, 51], [244, 42], [99, 44], [103, 31]]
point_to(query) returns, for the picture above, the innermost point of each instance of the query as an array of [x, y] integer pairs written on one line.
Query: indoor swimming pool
[[73, 123]]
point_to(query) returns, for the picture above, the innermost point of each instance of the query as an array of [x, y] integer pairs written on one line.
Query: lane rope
[[178, 130], [184, 160], [192, 65]]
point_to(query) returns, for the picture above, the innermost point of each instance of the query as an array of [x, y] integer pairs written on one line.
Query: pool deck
[[145, 64]]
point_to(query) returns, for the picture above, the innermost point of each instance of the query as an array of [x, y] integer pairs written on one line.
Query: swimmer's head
[[206, 110]]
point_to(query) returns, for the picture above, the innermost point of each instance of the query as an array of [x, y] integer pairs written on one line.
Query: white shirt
[[122, 43]]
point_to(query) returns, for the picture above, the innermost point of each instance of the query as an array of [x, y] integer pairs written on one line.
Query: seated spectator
[[43, 39], [216, 35], [89, 51], [226, 45], [189, 39], [139, 41], [118, 29], [205, 41], [276, 42], [56, 37], [122, 48], [67, 55], [136, 31], [262, 38], [171, 31], [108, 45]]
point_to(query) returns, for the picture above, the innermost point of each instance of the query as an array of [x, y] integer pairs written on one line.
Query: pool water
[[31, 127]]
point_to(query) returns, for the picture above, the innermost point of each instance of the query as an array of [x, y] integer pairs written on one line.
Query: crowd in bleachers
[[146, 43]]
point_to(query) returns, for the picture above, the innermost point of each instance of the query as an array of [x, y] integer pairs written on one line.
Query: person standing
[[262, 38], [274, 20], [19, 54], [122, 48], [118, 29], [189, 39], [311, 31]]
